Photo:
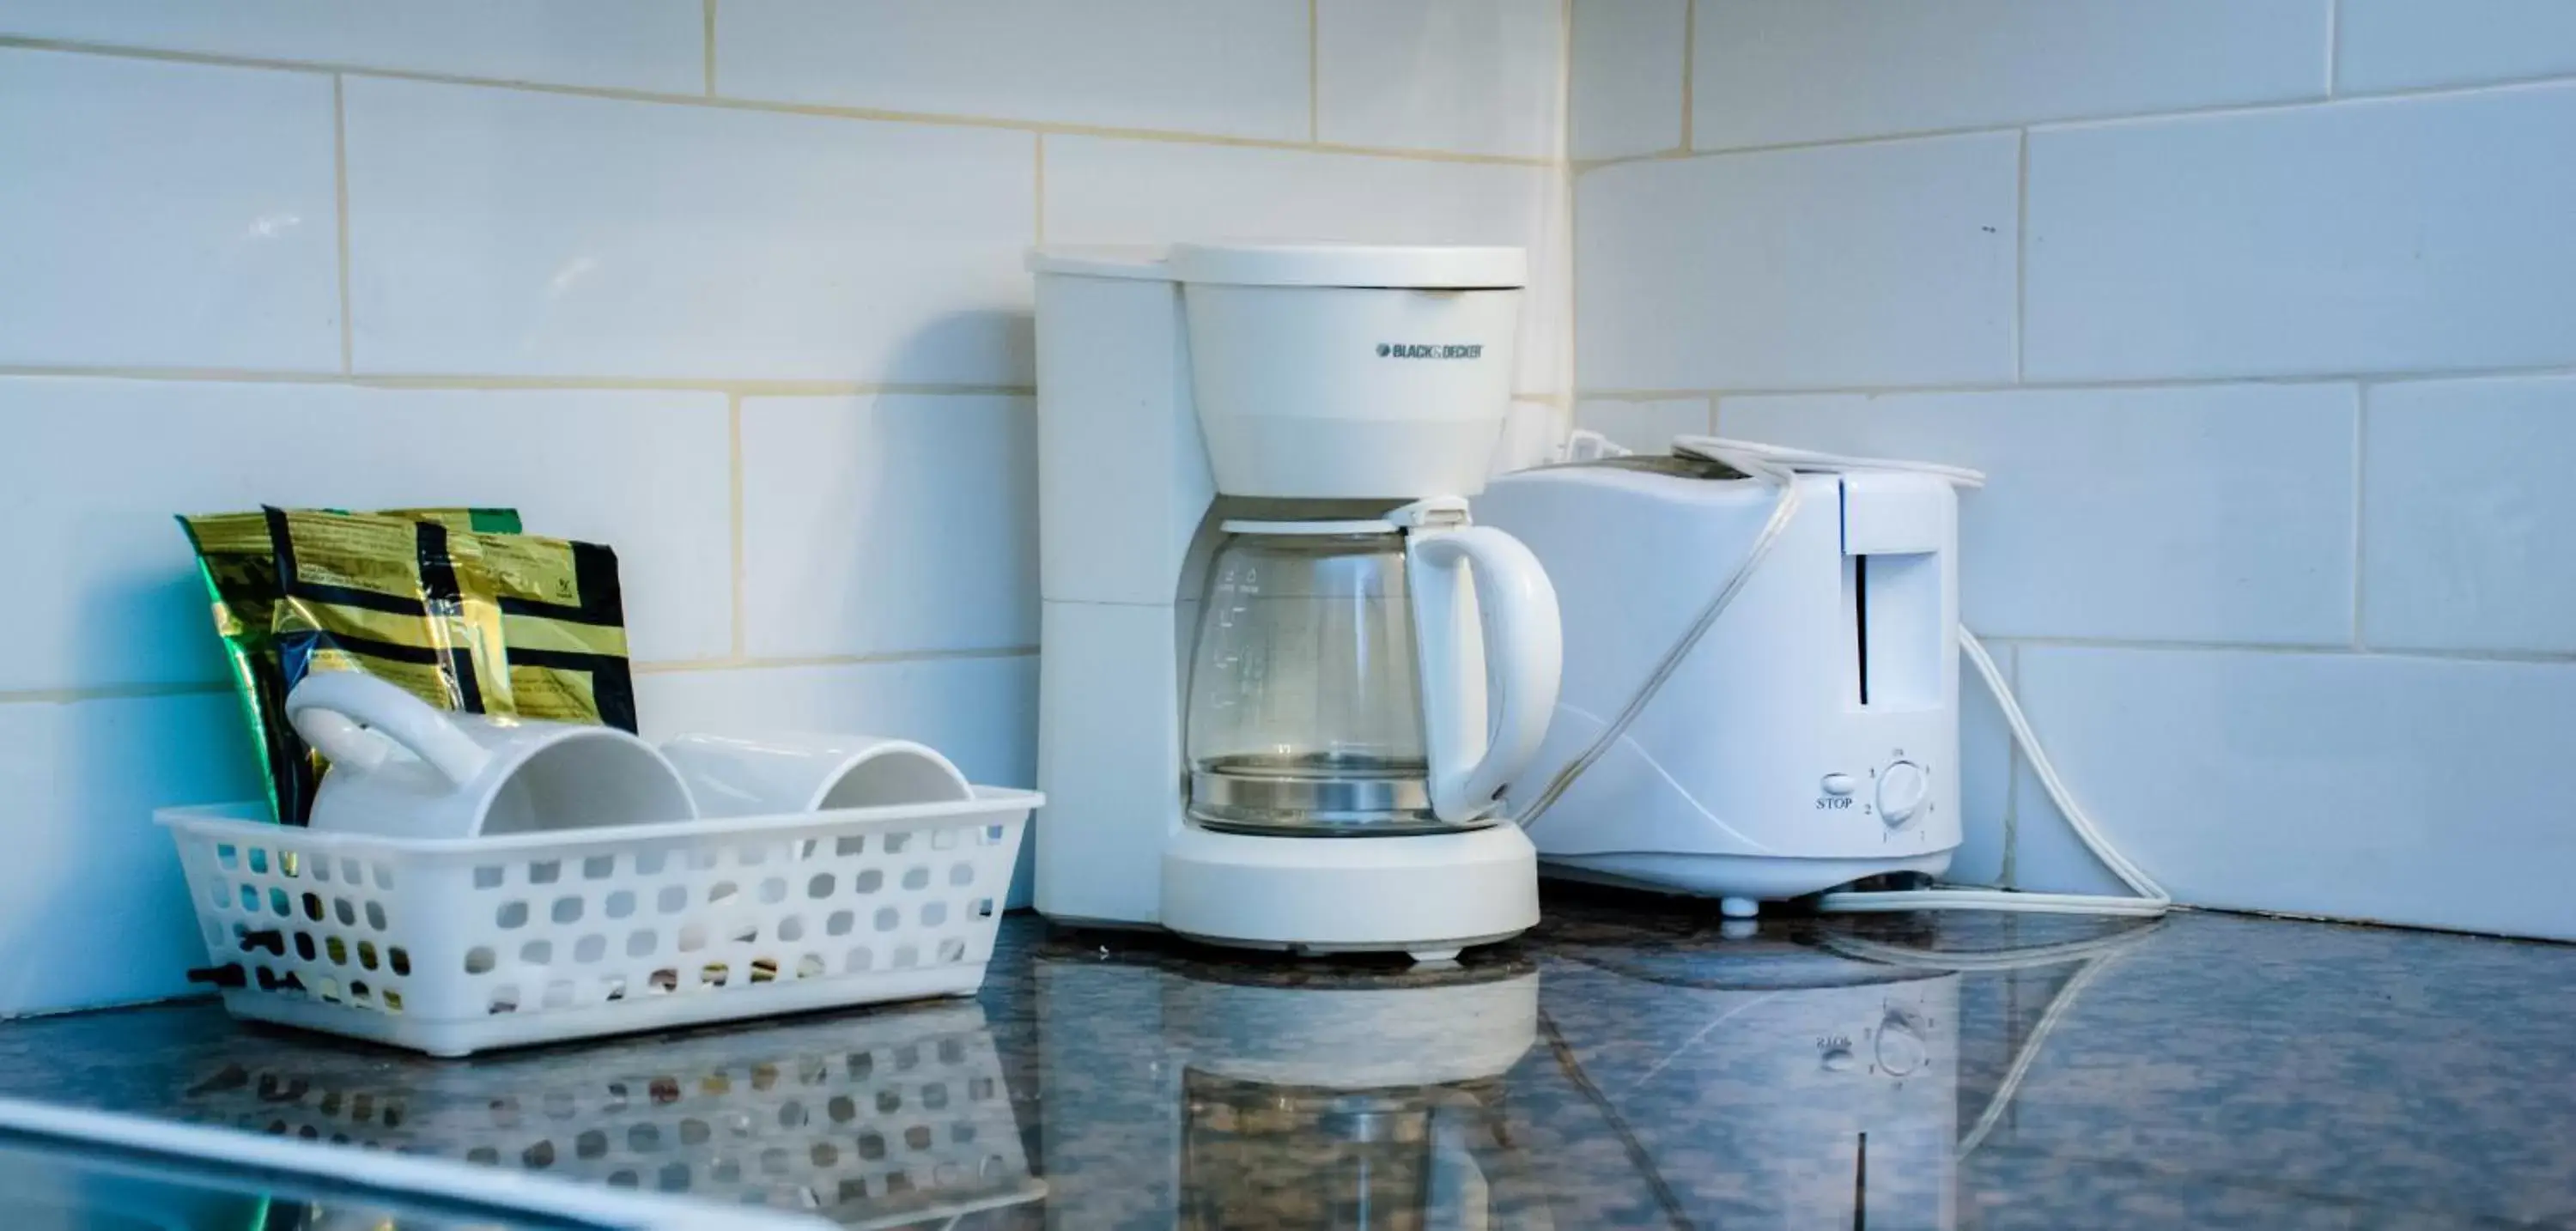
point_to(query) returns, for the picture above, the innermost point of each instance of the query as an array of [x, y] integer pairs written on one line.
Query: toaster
[[1808, 740]]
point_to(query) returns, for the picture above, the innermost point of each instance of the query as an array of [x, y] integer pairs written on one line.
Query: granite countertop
[[1626, 1064]]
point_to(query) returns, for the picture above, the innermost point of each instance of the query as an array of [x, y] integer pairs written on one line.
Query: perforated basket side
[[451, 947], [329, 925], [694, 915]]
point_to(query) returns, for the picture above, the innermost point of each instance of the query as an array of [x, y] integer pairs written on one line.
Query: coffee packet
[[237, 562]]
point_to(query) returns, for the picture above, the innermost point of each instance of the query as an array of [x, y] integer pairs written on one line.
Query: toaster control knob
[[1901, 1048], [1902, 788]]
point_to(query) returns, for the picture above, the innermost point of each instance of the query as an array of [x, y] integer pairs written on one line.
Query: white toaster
[[1810, 738]]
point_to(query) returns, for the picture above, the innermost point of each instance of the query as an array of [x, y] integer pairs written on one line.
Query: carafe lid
[[1248, 526], [1428, 513]]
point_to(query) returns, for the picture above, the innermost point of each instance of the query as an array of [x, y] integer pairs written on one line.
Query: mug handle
[[357, 719], [1524, 646]]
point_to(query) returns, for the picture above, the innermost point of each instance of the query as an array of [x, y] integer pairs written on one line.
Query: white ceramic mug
[[765, 775], [401, 768]]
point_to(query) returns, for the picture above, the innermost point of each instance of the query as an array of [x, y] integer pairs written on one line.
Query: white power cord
[[2151, 899], [1779, 466], [1782, 510]]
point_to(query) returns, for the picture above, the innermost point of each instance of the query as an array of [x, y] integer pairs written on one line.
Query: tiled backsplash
[[734, 285], [2257, 312]]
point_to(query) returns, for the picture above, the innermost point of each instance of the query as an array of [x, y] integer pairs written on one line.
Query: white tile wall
[[173, 214], [2205, 513], [2386, 788], [889, 523], [1111, 191], [2469, 528], [2259, 619], [973, 709], [666, 324], [1645, 425], [2411, 44], [1985, 778], [495, 231], [2383, 235], [2047, 856], [1495, 87], [93, 909], [111, 595], [1626, 76], [625, 44], [1888, 263], [1769, 73], [1228, 67], [1532, 432]]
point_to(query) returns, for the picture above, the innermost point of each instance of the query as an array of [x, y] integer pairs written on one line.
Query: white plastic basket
[[456, 946]]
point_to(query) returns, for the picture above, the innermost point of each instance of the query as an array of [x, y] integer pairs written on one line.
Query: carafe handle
[[357, 719], [1524, 653]]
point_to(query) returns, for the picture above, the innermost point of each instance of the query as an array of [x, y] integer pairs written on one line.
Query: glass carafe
[[1309, 711], [1304, 709]]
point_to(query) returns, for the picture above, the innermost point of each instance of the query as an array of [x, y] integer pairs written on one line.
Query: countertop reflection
[[1626, 1065]]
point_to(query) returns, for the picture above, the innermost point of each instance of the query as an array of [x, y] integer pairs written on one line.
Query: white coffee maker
[[1284, 683]]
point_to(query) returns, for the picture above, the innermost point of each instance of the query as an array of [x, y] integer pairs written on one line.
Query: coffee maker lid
[[1427, 267]]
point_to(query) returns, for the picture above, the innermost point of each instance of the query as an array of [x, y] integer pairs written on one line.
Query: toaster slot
[[1894, 602], [1856, 579]]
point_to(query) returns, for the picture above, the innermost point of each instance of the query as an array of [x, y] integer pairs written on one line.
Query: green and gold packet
[[489, 623], [563, 623], [400, 599], [238, 564]]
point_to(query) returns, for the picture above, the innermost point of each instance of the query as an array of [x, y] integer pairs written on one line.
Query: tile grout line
[[746, 386], [698, 666], [109, 692], [770, 107], [2334, 44], [748, 663], [2021, 265], [1573, 373], [2550, 81], [709, 38], [683, 666], [1690, 70], [340, 204], [756, 386], [1183, 137], [734, 505], [2360, 476], [2363, 379], [2312, 649], [1570, 376], [1565, 84], [1314, 70]]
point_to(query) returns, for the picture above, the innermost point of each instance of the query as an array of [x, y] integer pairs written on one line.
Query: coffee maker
[[1284, 683]]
